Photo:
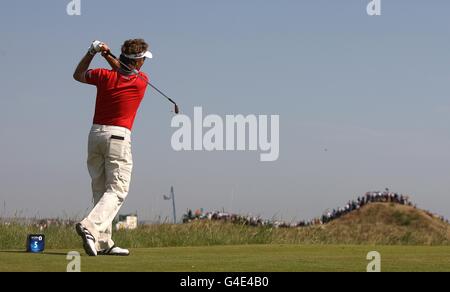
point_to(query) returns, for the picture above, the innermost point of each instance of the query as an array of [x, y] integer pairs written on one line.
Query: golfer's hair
[[132, 47]]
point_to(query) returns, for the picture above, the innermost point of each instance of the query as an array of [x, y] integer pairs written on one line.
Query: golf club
[[177, 109]]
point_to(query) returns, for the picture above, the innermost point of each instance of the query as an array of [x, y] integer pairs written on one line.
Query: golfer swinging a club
[[119, 94]]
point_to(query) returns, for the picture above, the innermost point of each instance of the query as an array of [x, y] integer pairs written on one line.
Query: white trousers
[[110, 164]]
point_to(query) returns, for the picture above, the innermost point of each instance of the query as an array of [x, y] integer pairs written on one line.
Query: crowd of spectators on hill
[[328, 216], [369, 197]]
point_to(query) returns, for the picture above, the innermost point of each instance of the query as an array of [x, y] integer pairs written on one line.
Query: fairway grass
[[244, 258]]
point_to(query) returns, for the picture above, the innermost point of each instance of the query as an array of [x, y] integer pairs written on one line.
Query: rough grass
[[375, 224]]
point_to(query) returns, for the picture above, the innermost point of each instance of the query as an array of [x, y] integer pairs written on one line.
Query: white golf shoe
[[88, 240], [115, 251]]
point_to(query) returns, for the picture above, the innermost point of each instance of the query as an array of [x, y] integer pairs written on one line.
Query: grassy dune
[[389, 224]]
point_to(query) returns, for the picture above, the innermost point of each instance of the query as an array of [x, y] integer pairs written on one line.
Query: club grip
[[177, 109]]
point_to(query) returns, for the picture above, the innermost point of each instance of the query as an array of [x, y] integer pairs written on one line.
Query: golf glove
[[95, 47]]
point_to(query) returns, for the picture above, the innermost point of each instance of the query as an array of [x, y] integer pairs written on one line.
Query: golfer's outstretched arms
[[82, 67]]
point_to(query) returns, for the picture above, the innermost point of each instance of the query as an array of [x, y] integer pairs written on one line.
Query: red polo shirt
[[118, 96]]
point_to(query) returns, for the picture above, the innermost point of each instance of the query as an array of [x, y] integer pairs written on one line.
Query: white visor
[[146, 54]]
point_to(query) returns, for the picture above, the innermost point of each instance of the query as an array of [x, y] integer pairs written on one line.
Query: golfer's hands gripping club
[[103, 48], [97, 47]]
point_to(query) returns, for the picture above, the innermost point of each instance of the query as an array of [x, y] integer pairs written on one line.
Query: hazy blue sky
[[373, 91]]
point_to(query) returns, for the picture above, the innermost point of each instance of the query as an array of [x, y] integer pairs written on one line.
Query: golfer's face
[[140, 63]]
